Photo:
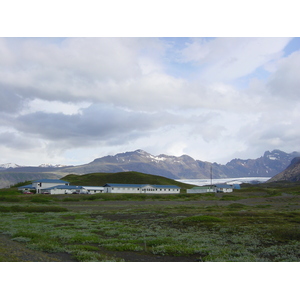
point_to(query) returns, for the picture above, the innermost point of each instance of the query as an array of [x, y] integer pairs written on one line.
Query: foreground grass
[[255, 224]]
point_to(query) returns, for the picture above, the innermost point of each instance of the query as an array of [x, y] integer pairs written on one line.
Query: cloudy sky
[[71, 100]]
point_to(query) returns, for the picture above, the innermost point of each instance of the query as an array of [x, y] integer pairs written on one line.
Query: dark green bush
[[201, 219], [9, 199], [236, 206], [284, 234], [30, 209]]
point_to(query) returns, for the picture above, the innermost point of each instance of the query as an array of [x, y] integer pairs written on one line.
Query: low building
[[141, 188], [224, 188], [26, 188], [63, 189], [92, 189], [56, 187], [201, 190], [42, 184], [218, 188]]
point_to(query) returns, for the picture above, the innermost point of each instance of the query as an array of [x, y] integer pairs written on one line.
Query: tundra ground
[[256, 223]]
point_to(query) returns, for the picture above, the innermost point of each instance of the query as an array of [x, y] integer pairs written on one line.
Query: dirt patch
[[11, 251]]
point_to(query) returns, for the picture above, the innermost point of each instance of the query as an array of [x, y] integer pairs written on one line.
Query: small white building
[[218, 188], [92, 189], [40, 185], [141, 188], [56, 187], [63, 189], [224, 188], [201, 190]]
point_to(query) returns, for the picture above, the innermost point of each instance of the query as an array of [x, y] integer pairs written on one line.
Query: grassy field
[[255, 224]]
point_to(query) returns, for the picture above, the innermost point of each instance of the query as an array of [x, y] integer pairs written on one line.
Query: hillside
[[99, 179], [10, 178], [291, 173]]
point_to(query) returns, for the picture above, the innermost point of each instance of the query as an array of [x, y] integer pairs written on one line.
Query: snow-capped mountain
[[51, 166], [9, 165]]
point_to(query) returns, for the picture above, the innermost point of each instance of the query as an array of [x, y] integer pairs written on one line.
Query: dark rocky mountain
[[173, 167], [268, 165], [291, 173]]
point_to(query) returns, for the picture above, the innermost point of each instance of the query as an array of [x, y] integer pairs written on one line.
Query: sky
[[71, 100], [71, 92]]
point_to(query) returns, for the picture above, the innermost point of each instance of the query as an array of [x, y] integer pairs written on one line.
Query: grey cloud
[[93, 126], [10, 101], [16, 141], [77, 69]]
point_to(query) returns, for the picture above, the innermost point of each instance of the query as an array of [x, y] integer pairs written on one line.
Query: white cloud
[[39, 105], [226, 59], [284, 82]]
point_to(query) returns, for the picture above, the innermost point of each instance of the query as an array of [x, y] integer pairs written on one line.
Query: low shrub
[[176, 250], [236, 206], [229, 197], [201, 219], [286, 234], [158, 241], [47, 246], [83, 247], [89, 256], [32, 209], [9, 199], [26, 234], [40, 200], [123, 247]]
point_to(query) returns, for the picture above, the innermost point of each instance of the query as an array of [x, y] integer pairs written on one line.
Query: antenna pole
[[211, 176]]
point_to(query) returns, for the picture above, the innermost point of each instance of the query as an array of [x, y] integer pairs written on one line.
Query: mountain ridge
[[173, 167]]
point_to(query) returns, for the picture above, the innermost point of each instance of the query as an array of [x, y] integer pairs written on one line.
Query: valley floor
[[253, 224]]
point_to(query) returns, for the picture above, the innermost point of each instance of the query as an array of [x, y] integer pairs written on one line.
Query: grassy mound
[[99, 179]]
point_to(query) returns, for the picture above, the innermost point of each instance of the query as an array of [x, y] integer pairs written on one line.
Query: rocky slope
[[291, 173]]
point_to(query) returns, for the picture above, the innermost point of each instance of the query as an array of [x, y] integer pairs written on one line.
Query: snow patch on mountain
[[9, 165]]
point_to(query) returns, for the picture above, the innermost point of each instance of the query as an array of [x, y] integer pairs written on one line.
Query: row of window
[[143, 190]]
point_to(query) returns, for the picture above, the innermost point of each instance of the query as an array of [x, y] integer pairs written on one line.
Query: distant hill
[[100, 179], [173, 167], [10, 178], [291, 173]]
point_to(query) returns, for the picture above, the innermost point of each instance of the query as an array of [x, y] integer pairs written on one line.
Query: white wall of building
[[39, 186], [147, 189]]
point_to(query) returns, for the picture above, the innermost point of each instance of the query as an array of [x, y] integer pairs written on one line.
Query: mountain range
[[173, 167]]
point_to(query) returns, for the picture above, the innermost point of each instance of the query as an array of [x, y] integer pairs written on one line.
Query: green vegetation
[[257, 223]]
